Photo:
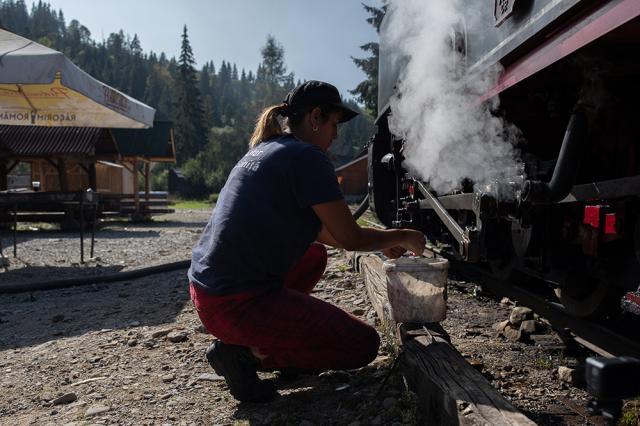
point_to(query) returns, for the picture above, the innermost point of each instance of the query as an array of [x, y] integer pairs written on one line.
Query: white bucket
[[417, 289]]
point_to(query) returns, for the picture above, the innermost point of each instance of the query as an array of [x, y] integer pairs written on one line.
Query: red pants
[[290, 327]]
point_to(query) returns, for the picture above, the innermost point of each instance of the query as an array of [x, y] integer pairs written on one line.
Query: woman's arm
[[340, 227]]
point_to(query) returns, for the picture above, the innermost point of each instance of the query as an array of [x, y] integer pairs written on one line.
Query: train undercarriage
[[571, 215]]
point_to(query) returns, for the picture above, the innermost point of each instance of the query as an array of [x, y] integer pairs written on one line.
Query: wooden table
[[34, 204]]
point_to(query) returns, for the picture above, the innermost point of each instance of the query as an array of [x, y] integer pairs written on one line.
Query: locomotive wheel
[[511, 243], [382, 191], [586, 292]]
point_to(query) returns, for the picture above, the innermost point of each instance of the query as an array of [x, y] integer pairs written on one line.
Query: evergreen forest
[[213, 107]]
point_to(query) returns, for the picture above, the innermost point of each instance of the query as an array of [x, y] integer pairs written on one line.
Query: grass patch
[[192, 204], [544, 364], [629, 419], [631, 413]]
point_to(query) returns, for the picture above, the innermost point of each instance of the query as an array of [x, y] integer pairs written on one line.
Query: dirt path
[[133, 352]]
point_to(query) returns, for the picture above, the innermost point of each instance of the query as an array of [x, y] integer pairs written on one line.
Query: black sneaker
[[238, 367]]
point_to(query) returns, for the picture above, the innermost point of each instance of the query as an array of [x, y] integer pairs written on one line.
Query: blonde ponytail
[[267, 125]]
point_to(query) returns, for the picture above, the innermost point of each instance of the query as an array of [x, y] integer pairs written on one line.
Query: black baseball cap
[[315, 93]]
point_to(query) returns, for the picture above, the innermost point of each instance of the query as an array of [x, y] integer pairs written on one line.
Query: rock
[[132, 342], [476, 364], [201, 329], [161, 333], [358, 302], [65, 399], [572, 376], [500, 326], [565, 374], [209, 377], [377, 420], [505, 301], [177, 336], [520, 314], [528, 327], [512, 334], [380, 361], [167, 378], [96, 409]]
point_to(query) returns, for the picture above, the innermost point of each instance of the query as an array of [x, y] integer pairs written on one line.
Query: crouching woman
[[262, 252]]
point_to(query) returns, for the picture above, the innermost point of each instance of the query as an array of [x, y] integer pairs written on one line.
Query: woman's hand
[[414, 241], [394, 252]]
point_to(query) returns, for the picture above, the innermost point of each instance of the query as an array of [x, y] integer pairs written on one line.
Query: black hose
[[121, 276], [364, 205], [94, 279], [566, 167]]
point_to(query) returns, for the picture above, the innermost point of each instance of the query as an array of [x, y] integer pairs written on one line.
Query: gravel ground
[[133, 352]]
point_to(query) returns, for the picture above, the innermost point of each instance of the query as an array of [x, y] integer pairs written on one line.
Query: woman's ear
[[316, 117]]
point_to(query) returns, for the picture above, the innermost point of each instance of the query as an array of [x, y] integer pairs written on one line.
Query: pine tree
[[188, 115], [272, 80], [275, 71], [137, 71], [367, 91]]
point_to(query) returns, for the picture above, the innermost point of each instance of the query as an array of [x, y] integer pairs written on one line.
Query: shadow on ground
[[334, 398], [28, 319], [153, 224], [43, 274]]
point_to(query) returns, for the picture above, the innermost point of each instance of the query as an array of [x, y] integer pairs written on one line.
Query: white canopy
[[40, 86]]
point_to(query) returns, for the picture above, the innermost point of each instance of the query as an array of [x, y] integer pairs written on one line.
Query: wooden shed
[[69, 159], [61, 158]]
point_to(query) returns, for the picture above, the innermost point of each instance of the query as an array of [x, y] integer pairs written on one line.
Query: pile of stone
[[520, 325]]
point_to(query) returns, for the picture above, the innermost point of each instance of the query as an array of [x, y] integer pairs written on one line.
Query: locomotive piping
[[566, 167]]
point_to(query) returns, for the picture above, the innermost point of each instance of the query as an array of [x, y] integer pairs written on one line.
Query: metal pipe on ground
[[121, 276], [95, 279]]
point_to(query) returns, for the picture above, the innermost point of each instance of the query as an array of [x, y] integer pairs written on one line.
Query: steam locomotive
[[574, 222]]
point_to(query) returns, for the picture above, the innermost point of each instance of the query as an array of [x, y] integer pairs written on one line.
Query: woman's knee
[[370, 345], [318, 252]]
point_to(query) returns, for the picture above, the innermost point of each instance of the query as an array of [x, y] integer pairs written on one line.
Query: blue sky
[[319, 36]]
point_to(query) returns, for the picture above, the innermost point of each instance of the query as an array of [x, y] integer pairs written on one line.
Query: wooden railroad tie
[[449, 390]]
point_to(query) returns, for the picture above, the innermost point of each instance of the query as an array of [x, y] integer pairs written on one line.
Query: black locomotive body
[[575, 220]]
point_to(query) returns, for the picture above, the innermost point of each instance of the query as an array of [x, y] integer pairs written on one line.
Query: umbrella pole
[[81, 228], [15, 230]]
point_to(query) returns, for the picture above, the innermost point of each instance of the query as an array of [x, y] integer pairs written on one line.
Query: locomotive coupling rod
[[453, 226]]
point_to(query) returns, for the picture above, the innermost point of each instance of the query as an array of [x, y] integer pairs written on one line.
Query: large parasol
[[40, 86]]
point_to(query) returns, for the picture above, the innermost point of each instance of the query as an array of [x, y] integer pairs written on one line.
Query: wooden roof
[[153, 144]]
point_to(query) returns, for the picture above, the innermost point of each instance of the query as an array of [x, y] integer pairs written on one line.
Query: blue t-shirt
[[263, 221]]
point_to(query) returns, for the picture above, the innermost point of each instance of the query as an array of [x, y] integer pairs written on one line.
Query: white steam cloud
[[449, 135]]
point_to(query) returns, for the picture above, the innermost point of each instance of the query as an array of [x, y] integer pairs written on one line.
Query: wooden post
[[3, 175], [62, 175], [449, 390], [146, 189], [375, 280], [93, 184], [136, 192], [147, 168]]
